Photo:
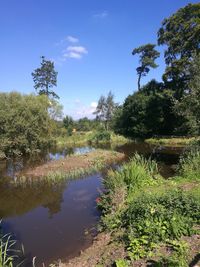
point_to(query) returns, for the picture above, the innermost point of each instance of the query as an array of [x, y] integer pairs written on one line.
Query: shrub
[[25, 124], [136, 208], [189, 166], [156, 218], [101, 136]]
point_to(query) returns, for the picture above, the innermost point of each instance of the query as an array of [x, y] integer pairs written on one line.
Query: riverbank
[[72, 166], [147, 219], [172, 141], [91, 137]]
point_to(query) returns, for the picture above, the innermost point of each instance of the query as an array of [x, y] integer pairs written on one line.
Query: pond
[[57, 221]]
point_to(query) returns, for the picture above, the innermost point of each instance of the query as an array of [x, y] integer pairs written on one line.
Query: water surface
[[58, 220]]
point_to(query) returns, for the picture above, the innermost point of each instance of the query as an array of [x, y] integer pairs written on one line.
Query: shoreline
[[72, 166]]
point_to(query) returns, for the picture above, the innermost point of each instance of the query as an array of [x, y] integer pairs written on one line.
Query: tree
[[180, 33], [45, 78], [189, 104], [105, 109], [68, 122], [147, 112], [25, 124], [148, 55]]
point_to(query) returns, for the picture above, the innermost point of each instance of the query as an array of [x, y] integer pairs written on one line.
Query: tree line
[[171, 107]]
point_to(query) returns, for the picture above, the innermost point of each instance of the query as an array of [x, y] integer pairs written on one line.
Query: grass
[[149, 216], [84, 138], [172, 141], [70, 167], [78, 139]]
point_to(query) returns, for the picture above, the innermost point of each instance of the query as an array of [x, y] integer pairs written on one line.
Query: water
[[51, 220]]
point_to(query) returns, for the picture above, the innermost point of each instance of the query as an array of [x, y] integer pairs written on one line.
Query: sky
[[90, 42]]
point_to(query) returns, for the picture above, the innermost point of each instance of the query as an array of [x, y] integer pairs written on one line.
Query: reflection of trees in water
[[17, 200], [11, 166]]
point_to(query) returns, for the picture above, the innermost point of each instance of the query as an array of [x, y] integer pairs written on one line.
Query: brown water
[[58, 220]]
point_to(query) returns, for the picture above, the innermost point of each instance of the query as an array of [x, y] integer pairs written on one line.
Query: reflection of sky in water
[[83, 150], [167, 155], [10, 167], [69, 151]]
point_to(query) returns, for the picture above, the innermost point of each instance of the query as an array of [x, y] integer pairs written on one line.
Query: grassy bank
[[147, 219], [173, 141], [91, 137], [71, 166]]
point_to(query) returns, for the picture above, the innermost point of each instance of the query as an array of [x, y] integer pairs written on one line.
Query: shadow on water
[[50, 219], [166, 157]]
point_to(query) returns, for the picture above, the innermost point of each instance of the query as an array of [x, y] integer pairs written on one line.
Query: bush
[[145, 210], [25, 124], [101, 136]]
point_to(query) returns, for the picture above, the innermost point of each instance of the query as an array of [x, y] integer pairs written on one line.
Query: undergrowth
[[144, 211]]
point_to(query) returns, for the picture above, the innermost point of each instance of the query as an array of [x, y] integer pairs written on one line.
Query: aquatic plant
[[8, 254]]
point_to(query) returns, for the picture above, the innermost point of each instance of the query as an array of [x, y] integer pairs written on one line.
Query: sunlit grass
[[84, 138], [173, 141]]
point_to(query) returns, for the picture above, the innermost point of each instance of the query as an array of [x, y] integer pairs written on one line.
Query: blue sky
[[90, 42]]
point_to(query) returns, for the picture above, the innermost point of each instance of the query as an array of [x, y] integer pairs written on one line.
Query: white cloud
[[69, 38], [101, 15], [77, 49], [93, 105], [76, 52], [70, 51], [79, 110], [72, 39], [72, 55]]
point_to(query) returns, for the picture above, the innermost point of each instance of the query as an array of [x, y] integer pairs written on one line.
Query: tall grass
[[189, 166], [171, 141]]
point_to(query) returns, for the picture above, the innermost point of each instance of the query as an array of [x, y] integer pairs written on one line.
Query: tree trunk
[[139, 78]]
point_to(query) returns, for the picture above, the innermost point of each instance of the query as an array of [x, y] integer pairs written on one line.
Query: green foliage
[[122, 185], [189, 166], [149, 211], [189, 104], [146, 113], [105, 109], [171, 107], [171, 141], [101, 136], [179, 256], [68, 122], [180, 34], [25, 124], [45, 78], [148, 55], [121, 263]]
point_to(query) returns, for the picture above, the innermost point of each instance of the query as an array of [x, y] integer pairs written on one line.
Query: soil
[[103, 252]]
